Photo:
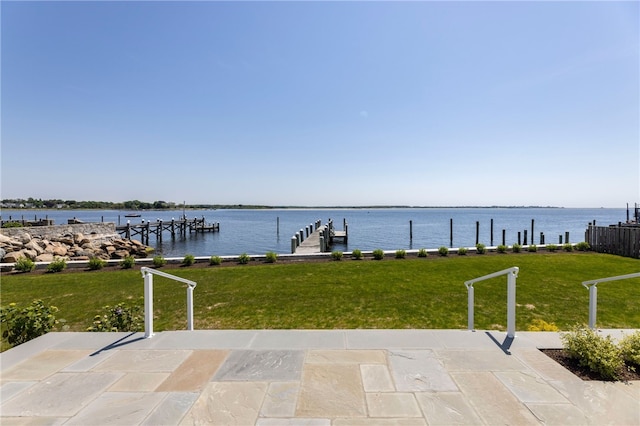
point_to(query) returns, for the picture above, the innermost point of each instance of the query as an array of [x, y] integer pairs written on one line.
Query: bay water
[[257, 231]]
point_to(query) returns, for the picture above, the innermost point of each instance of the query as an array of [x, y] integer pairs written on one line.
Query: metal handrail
[[512, 274], [592, 286], [147, 274]]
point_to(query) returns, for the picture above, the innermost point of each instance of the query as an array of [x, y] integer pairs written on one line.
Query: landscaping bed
[[562, 357]]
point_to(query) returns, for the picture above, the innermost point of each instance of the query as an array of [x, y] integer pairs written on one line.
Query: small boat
[[132, 215]]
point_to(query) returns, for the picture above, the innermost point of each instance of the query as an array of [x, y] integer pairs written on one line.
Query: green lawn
[[392, 293]]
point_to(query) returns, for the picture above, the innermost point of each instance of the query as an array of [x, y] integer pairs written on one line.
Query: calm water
[[257, 231]]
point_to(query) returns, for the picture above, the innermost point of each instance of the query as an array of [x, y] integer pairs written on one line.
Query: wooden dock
[[317, 238], [173, 227]]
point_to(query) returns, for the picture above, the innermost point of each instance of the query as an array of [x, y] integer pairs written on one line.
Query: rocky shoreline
[[68, 242]]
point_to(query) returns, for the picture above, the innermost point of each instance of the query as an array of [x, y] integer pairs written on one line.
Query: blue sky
[[322, 103]]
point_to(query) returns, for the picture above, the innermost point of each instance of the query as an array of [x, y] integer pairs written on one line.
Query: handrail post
[[592, 286], [189, 308], [470, 299], [511, 304], [148, 305], [593, 303]]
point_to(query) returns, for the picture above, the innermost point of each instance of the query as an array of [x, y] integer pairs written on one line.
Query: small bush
[[401, 254], [271, 257], [443, 251], [501, 248], [118, 318], [532, 248], [12, 225], [378, 254], [630, 347], [516, 248], [215, 260], [422, 252], [243, 259], [127, 262], [24, 264], [188, 260], [551, 247], [336, 255], [481, 248], [22, 325], [583, 246], [567, 247], [462, 251], [356, 254], [159, 261], [96, 263], [57, 265], [599, 354], [541, 325]]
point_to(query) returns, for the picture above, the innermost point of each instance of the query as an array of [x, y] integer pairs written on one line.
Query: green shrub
[[551, 247], [24, 264], [118, 318], [188, 260], [443, 251], [57, 265], [567, 247], [541, 325], [271, 257], [481, 248], [583, 246], [22, 325], [630, 348], [12, 225], [96, 263], [462, 251], [599, 354], [516, 248], [243, 259], [336, 255], [356, 254], [422, 252], [127, 262], [401, 254], [532, 248], [215, 260], [159, 261], [378, 254], [501, 248]]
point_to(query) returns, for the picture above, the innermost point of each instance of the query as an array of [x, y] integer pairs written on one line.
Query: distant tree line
[[38, 203]]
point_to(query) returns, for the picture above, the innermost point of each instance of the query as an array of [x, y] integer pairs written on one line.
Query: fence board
[[619, 240]]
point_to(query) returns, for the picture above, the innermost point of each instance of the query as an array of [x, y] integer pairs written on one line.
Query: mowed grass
[[391, 293]]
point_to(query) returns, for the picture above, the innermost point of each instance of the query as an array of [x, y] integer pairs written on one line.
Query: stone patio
[[303, 377]]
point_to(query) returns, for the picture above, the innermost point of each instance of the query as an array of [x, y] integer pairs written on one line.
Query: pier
[[174, 227], [318, 238]]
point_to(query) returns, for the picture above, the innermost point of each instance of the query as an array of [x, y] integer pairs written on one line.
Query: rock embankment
[[27, 242]]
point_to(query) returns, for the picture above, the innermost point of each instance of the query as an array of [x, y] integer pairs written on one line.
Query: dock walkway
[[310, 377]]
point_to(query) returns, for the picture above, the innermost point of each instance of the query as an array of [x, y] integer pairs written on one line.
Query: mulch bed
[[562, 358]]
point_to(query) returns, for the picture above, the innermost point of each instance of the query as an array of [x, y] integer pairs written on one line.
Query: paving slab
[[43, 365], [195, 372], [61, 395], [281, 400], [394, 405], [417, 371], [227, 403], [144, 360], [447, 408], [331, 390], [171, 409], [117, 408], [376, 378], [252, 365]]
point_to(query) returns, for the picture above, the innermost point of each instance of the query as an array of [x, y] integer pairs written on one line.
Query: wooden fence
[[623, 240]]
